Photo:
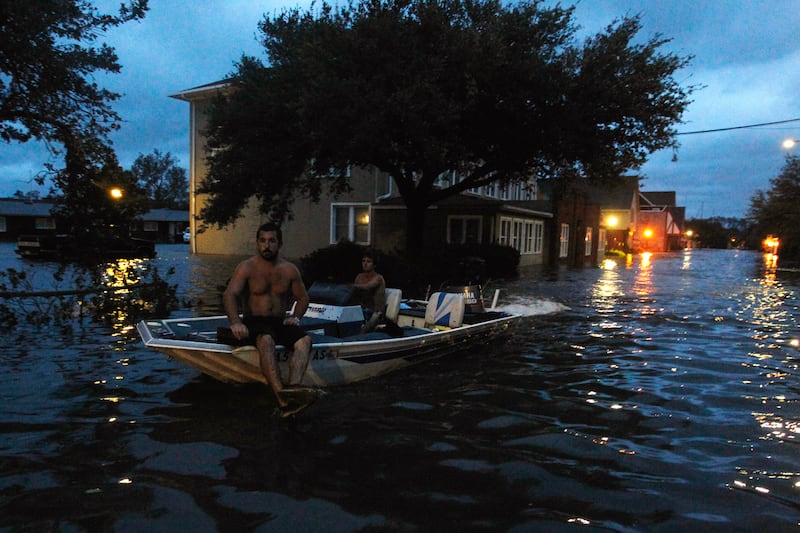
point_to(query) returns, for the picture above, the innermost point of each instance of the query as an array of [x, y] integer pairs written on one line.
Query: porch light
[[612, 221], [648, 233]]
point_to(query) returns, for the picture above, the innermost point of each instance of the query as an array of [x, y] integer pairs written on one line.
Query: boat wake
[[532, 306]]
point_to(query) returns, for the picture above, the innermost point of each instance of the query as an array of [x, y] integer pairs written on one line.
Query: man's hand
[[240, 331], [291, 321]]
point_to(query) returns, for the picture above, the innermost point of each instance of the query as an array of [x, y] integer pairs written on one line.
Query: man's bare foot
[[294, 399]]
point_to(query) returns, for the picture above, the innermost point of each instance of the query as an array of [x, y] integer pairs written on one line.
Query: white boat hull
[[333, 361]]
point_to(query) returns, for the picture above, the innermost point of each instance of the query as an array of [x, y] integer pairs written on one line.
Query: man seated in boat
[[370, 292], [268, 283]]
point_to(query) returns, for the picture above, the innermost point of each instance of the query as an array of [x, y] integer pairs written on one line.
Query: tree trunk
[[415, 228]]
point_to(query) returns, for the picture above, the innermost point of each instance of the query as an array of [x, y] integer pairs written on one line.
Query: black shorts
[[273, 326]]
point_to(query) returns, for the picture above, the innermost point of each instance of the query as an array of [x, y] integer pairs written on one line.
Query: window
[[350, 222], [530, 190], [447, 179], [3, 228], [563, 250], [45, 223], [383, 183], [464, 229], [538, 237], [587, 246], [526, 236], [601, 243], [150, 225]]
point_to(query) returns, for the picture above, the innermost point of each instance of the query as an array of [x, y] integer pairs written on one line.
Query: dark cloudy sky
[[746, 56]]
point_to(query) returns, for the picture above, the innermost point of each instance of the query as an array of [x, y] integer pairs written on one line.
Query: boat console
[[330, 313]]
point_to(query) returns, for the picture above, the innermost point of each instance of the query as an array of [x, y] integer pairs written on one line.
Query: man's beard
[[268, 254]]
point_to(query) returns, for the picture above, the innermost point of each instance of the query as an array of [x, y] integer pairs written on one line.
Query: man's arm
[[230, 300], [300, 295], [375, 282]]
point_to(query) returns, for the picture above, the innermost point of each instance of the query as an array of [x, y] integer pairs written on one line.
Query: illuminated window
[[350, 222], [587, 248], [601, 243]]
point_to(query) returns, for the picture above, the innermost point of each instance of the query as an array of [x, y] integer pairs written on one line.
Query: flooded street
[[659, 395]]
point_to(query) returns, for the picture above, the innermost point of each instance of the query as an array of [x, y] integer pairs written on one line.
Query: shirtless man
[[371, 292], [267, 282]]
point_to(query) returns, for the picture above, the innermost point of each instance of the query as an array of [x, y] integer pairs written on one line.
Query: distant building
[[619, 213], [24, 216], [661, 222]]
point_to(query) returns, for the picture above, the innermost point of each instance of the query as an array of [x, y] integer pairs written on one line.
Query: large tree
[[774, 211], [162, 179], [49, 53], [490, 90]]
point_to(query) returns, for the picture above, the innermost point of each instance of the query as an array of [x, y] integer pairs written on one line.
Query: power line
[[739, 127]]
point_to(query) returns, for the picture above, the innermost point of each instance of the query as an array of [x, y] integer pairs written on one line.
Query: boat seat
[[393, 298], [445, 310]]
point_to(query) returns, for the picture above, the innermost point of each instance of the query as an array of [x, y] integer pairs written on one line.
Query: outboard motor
[[471, 271], [473, 297]]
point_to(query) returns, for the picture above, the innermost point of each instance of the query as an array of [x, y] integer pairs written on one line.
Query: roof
[[166, 215], [539, 208], [202, 90], [658, 198], [619, 196], [12, 207]]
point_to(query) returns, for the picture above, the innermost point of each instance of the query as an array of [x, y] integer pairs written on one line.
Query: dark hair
[[271, 226], [371, 254]]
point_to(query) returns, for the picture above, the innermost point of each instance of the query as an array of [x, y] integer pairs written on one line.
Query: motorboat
[[415, 331]]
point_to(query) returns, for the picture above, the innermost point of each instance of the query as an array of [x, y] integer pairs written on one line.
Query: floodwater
[[660, 395]]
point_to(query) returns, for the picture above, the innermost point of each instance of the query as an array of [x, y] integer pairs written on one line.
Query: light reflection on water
[[660, 395]]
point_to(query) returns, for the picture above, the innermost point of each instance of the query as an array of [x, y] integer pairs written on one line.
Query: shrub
[[448, 265]]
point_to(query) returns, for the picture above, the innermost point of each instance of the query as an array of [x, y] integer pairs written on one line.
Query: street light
[[115, 193], [790, 143], [771, 244]]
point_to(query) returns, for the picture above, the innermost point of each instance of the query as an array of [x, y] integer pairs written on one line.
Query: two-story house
[[372, 213]]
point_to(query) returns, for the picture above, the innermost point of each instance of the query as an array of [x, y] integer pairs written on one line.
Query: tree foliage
[[163, 181], [774, 211], [717, 232], [86, 206], [488, 90], [49, 53]]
